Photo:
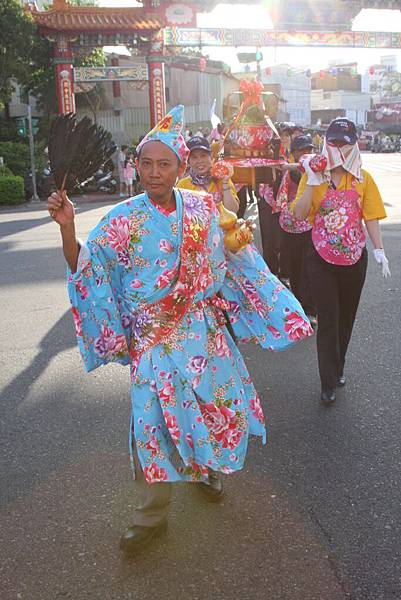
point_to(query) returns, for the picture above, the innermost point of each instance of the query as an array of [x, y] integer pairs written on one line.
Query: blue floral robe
[[150, 290]]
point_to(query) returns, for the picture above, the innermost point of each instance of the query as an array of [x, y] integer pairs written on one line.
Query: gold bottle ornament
[[236, 235], [227, 218]]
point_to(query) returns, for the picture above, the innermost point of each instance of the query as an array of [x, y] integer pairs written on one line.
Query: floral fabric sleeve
[[264, 310], [95, 294]]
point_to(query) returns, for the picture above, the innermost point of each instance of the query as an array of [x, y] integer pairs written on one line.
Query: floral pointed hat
[[169, 132]]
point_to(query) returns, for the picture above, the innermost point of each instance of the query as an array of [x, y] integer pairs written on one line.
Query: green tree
[[16, 44], [20, 39]]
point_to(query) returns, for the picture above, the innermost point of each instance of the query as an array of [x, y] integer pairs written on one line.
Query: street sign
[[35, 125], [248, 57], [21, 126]]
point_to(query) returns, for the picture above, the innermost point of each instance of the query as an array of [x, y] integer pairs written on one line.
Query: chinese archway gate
[[75, 31]]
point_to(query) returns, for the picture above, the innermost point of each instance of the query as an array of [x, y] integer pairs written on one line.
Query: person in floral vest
[[148, 289], [337, 203], [269, 209], [295, 234]]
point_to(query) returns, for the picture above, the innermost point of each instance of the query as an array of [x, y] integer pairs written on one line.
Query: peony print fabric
[[150, 291], [338, 233]]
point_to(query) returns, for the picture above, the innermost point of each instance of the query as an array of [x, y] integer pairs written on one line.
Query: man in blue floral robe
[[149, 289]]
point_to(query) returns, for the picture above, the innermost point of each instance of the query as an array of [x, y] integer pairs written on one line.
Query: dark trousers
[[336, 291], [243, 202], [245, 197], [271, 236], [293, 255]]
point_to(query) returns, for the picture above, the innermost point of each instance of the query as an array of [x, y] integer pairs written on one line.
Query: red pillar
[[157, 89], [64, 75]]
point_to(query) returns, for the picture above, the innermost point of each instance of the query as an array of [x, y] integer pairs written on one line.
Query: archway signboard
[[182, 36], [96, 74]]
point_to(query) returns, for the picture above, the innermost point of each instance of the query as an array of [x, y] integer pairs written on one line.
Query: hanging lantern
[[334, 72], [202, 64], [371, 70], [322, 74], [268, 71]]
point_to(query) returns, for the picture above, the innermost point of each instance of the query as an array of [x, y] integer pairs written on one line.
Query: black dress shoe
[[213, 491], [328, 396], [341, 381], [137, 537]]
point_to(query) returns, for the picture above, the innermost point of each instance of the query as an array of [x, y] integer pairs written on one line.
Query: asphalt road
[[316, 514]]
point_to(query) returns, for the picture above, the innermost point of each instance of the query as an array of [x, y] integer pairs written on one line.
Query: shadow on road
[[31, 266], [13, 227], [59, 338]]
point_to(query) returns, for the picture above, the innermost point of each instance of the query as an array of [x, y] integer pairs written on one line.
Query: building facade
[[189, 82], [339, 103], [295, 89], [382, 80], [336, 92]]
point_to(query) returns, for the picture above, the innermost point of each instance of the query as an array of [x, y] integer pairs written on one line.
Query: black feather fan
[[77, 149]]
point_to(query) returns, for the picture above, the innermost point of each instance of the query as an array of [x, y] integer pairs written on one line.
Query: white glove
[[313, 178], [381, 258]]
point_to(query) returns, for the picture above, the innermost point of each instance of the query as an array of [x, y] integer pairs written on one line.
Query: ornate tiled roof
[[64, 17]]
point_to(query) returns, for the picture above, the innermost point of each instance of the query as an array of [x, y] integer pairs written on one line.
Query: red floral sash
[[159, 320]]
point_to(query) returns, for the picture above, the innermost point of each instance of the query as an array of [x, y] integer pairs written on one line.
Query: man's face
[[159, 168], [286, 139], [200, 161]]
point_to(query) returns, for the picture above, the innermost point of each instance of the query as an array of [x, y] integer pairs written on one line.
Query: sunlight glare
[[241, 16], [374, 19]]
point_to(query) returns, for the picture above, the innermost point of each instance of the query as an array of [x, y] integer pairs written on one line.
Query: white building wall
[[296, 91], [356, 104]]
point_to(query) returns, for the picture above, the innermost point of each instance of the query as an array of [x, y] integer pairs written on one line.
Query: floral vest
[[286, 194], [337, 232]]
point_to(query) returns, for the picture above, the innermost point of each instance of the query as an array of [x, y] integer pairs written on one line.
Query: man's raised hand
[[61, 208]]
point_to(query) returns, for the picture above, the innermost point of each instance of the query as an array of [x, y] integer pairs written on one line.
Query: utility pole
[[259, 58], [258, 71], [35, 196]]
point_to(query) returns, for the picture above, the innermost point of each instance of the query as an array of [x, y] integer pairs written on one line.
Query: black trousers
[[293, 255], [336, 291], [245, 197], [271, 237], [243, 202]]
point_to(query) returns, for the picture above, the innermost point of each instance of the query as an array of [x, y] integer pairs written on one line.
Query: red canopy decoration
[[252, 93], [251, 134]]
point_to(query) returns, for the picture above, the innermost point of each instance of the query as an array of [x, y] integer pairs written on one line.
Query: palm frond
[[77, 149]]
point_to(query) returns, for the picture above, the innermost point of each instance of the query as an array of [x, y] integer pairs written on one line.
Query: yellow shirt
[[214, 189], [372, 203]]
